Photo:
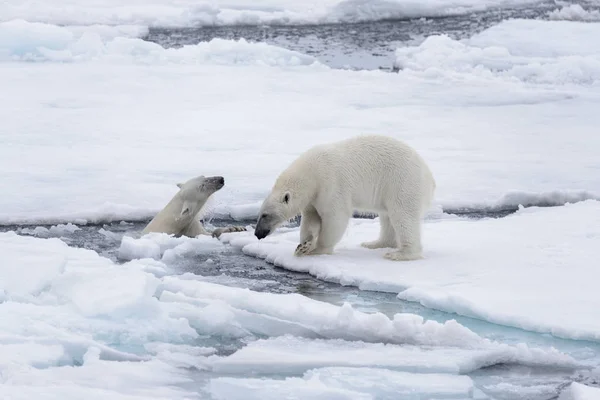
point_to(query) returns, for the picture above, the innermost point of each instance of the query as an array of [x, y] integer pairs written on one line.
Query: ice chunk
[[292, 355], [54, 231], [182, 355], [577, 391], [190, 13], [22, 40], [537, 38], [527, 390], [111, 236], [385, 383], [528, 50], [314, 318], [42, 267], [271, 389], [160, 246], [153, 379], [98, 293], [574, 12]]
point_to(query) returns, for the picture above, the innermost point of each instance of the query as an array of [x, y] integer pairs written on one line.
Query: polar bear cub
[[369, 173], [180, 216]]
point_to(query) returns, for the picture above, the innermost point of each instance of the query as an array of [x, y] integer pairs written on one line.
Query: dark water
[[368, 45]]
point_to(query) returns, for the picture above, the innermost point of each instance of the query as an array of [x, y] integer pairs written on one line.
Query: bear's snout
[[261, 233], [217, 181]]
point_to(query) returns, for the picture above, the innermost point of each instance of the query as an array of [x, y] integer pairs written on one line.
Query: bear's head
[[278, 208], [195, 192]]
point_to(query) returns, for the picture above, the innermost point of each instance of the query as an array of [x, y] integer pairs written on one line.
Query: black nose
[[221, 180], [261, 233]]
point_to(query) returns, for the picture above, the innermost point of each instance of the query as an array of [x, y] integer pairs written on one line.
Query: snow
[[297, 355], [537, 38], [480, 268], [395, 383], [574, 12], [305, 317], [69, 315], [25, 41], [189, 13], [528, 50], [123, 380], [350, 383], [161, 246], [577, 391], [271, 389], [54, 230], [127, 149]]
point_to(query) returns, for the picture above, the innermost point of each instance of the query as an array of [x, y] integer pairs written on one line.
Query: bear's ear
[[180, 185], [286, 197]]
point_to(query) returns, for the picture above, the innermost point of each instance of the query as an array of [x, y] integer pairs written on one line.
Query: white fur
[[327, 183], [180, 215]]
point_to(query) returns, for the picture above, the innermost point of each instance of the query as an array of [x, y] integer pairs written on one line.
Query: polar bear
[[179, 217], [369, 173]]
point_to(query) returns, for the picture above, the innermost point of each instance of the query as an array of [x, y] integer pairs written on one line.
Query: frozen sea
[[107, 104]]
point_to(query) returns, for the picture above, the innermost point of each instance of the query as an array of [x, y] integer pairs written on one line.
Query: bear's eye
[[264, 216], [286, 198]]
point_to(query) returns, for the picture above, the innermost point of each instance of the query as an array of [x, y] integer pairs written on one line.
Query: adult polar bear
[[366, 173]]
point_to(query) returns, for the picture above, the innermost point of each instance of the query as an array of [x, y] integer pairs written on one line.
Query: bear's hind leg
[[387, 235], [408, 236], [310, 224]]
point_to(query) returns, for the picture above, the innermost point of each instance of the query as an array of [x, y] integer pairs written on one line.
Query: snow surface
[[577, 391], [350, 383], [68, 315], [574, 12], [180, 13], [531, 51], [535, 270], [54, 230], [296, 355], [25, 41], [125, 120]]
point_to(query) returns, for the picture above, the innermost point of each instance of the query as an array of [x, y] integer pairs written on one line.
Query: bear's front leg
[[194, 229], [333, 227], [310, 224]]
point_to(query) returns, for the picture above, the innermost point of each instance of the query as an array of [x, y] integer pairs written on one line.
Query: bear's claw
[[303, 248], [219, 231], [402, 256], [376, 244]]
